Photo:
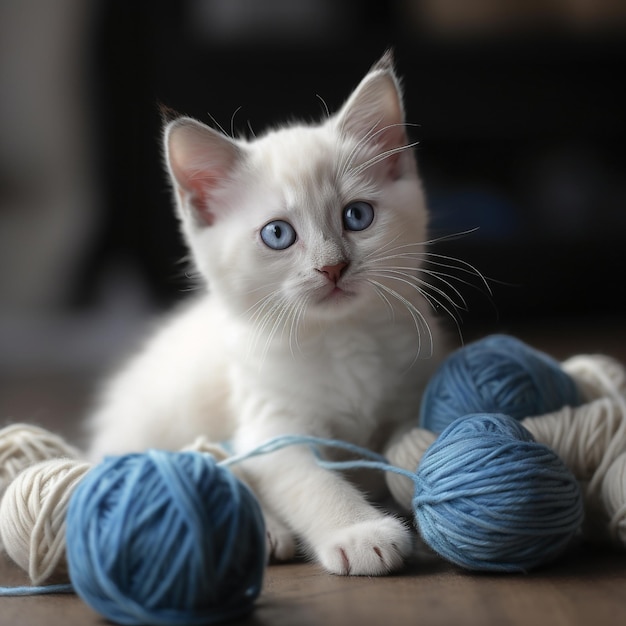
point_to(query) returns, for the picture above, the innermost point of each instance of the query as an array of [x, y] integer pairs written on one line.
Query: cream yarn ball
[[32, 517], [614, 498], [407, 453], [23, 445]]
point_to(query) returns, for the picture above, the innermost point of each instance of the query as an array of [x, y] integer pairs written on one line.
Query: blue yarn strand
[[377, 461], [36, 590], [284, 441]]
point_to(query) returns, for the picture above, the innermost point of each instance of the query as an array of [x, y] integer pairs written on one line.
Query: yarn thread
[[497, 374]]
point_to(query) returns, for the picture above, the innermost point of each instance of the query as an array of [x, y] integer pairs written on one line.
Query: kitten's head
[[307, 221]]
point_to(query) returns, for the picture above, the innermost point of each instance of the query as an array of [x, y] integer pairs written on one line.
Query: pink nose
[[333, 272]]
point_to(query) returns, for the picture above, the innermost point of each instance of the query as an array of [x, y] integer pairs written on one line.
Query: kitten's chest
[[346, 382], [357, 362]]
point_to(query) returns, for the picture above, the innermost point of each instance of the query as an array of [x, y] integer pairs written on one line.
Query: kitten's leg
[[280, 542], [343, 531]]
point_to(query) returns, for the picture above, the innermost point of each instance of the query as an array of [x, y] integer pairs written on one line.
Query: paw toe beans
[[371, 548]]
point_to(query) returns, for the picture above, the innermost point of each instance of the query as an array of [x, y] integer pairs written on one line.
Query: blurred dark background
[[520, 113]]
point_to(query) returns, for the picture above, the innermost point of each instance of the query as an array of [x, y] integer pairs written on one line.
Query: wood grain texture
[[585, 587]]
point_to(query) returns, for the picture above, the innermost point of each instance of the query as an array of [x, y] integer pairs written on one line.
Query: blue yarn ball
[[490, 498], [165, 538], [498, 374]]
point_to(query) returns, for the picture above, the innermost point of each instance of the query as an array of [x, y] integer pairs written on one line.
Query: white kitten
[[311, 240]]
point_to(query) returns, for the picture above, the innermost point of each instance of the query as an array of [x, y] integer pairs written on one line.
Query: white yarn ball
[[587, 437], [407, 453], [32, 517], [597, 375], [23, 445], [614, 498]]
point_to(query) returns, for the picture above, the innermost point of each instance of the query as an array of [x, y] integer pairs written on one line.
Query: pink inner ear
[[200, 160], [393, 137], [374, 113], [207, 217], [197, 197], [197, 191], [389, 167], [393, 166]]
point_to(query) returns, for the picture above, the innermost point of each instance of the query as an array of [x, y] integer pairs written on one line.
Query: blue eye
[[278, 235], [358, 216]]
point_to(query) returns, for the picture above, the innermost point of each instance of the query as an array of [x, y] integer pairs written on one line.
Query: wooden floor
[[585, 587]]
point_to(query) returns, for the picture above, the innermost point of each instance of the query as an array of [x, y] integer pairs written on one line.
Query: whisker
[[259, 305], [299, 311], [381, 157], [384, 298], [418, 317], [279, 321], [438, 260], [264, 287], [399, 271], [447, 279], [347, 165], [452, 236], [440, 276], [429, 297], [464, 267], [370, 137], [449, 237], [216, 123], [381, 250], [326, 109], [232, 121], [264, 318], [263, 311]]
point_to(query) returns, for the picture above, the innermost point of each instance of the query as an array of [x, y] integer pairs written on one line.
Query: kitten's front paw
[[371, 548], [279, 540]]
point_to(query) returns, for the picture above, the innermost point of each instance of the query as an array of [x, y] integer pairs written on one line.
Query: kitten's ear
[[200, 160], [374, 112]]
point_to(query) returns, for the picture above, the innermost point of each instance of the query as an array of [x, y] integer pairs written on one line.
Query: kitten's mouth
[[337, 294]]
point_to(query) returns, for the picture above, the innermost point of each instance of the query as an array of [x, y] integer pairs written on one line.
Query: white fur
[[270, 350]]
